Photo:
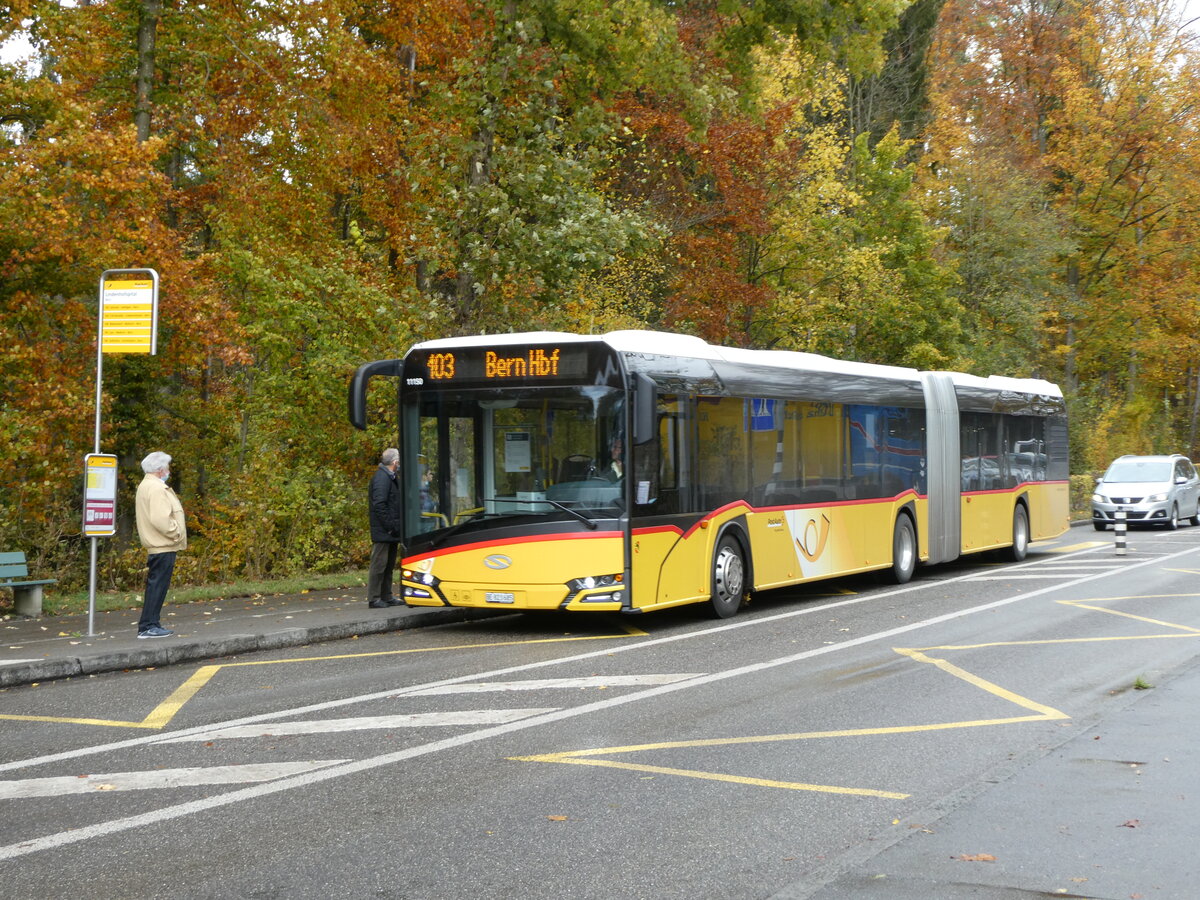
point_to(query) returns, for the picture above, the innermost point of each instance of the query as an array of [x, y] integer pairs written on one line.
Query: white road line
[[1090, 564], [366, 723], [165, 814], [1042, 577], [17, 662], [156, 779], [538, 684]]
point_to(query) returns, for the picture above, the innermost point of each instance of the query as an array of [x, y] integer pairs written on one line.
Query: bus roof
[[662, 343]]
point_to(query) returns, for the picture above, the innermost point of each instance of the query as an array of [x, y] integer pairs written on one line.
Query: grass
[[68, 603]]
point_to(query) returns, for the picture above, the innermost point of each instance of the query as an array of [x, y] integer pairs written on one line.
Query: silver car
[[1153, 490]]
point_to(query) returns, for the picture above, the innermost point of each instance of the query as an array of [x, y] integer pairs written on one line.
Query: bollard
[[1119, 531]]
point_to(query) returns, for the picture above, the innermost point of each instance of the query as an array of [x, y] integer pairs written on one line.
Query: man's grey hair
[[156, 462], [390, 455]]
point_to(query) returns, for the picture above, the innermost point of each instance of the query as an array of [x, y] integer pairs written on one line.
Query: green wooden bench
[[27, 595]]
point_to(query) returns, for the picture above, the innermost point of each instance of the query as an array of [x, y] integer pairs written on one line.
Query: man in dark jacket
[[384, 496]]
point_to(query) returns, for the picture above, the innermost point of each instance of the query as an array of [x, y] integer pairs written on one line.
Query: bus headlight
[[419, 577], [592, 582]]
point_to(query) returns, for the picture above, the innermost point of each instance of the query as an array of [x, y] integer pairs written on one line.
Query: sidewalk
[[48, 647]]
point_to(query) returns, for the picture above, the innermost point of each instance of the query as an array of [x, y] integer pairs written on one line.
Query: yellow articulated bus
[[636, 470]]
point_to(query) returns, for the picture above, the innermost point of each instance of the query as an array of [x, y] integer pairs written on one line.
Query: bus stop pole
[[96, 449]]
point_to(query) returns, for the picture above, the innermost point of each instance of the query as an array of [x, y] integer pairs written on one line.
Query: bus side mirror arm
[[645, 409], [358, 387]]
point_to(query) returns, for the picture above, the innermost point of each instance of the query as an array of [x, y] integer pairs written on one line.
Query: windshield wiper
[[440, 537], [578, 515]]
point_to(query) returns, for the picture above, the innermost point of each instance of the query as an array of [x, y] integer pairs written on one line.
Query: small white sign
[[518, 455]]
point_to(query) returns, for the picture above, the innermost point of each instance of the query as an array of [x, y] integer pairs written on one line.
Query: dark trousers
[[379, 575], [158, 579]]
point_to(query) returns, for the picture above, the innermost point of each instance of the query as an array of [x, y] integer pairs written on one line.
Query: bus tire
[[904, 551], [1020, 534], [728, 578]]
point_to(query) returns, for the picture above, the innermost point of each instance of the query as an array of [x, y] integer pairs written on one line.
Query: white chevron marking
[[157, 778]]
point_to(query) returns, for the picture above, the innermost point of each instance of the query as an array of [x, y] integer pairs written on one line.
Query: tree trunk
[[151, 12]]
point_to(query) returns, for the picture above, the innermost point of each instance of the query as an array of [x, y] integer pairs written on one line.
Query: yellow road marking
[[1114, 612], [1042, 713], [1087, 640], [717, 776], [68, 721], [167, 710], [1086, 545], [575, 755]]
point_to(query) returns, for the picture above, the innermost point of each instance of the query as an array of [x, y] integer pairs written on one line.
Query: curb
[[230, 645]]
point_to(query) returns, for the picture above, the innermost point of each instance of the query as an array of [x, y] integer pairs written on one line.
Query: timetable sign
[[100, 495], [129, 311]]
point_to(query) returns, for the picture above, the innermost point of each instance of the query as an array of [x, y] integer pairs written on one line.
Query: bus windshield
[[478, 454]]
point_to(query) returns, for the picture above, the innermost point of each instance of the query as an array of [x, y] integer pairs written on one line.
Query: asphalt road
[[810, 746]]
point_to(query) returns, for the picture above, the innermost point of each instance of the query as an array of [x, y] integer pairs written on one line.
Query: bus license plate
[[498, 596]]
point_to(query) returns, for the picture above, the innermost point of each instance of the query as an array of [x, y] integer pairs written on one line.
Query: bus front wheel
[[904, 551], [728, 578]]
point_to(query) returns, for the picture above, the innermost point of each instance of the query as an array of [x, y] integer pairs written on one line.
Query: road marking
[[538, 684], [718, 776], [1025, 577], [103, 829], [365, 723], [1071, 548], [166, 711], [17, 662], [1042, 712], [156, 779], [913, 587], [1082, 604]]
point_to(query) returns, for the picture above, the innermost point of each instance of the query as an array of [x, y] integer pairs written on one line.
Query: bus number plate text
[[498, 596]]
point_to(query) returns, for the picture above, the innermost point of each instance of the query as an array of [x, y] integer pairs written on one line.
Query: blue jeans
[[158, 579]]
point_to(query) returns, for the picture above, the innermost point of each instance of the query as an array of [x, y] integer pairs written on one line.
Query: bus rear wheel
[[728, 578], [1020, 534], [904, 551]]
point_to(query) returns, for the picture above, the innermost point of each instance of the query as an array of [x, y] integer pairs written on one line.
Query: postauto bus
[[635, 471]]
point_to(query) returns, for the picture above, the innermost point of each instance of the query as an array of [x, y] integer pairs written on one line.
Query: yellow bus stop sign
[[129, 311]]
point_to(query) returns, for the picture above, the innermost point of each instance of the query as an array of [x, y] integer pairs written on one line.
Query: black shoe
[[379, 604], [396, 601]]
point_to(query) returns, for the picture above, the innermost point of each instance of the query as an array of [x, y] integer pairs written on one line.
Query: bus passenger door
[[664, 566]]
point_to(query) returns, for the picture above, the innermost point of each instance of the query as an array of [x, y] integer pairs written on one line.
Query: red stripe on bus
[[658, 529], [1020, 487]]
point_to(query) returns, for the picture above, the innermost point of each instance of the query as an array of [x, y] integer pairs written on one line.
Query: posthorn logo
[[497, 561]]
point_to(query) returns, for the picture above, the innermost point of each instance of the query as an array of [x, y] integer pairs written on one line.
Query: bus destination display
[[503, 365]]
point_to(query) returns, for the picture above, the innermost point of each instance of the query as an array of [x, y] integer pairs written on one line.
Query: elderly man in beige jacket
[[163, 532]]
